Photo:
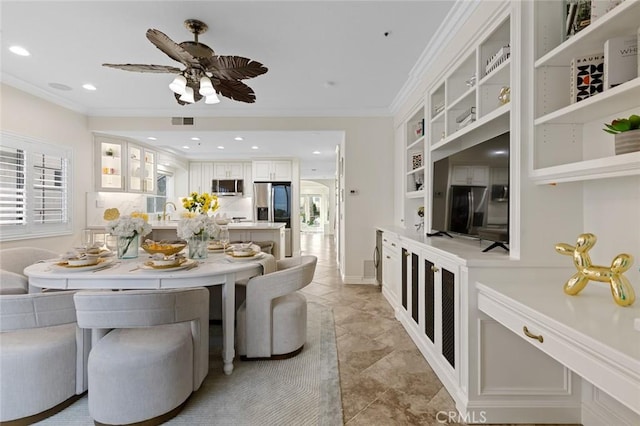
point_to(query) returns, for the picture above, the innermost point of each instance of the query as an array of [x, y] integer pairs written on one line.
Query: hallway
[[384, 379]]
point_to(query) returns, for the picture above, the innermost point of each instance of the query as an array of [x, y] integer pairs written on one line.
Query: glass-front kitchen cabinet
[[142, 169], [123, 166], [110, 164]]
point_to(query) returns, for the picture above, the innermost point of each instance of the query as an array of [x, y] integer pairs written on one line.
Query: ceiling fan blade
[[233, 67], [144, 68], [235, 90], [171, 48]]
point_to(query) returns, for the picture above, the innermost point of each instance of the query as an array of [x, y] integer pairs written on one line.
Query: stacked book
[[586, 77], [620, 60], [467, 116]]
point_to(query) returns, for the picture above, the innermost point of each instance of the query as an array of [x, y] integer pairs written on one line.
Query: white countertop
[[589, 333], [257, 226], [592, 314]]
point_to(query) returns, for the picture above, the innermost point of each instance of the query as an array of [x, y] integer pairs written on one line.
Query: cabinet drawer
[[585, 356]]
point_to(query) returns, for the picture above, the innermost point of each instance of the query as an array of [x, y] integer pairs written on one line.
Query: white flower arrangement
[[189, 227], [128, 226]]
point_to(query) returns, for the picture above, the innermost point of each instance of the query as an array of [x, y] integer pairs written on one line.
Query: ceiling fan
[[205, 74]]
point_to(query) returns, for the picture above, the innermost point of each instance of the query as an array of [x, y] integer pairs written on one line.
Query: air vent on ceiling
[[182, 121]]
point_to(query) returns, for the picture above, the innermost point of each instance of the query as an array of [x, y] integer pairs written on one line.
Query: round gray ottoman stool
[[140, 374]]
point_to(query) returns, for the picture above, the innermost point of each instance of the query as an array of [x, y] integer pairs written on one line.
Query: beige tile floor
[[384, 379]]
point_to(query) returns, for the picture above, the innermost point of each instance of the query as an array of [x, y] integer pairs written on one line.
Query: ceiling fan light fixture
[[179, 84], [187, 96], [212, 99], [206, 88]]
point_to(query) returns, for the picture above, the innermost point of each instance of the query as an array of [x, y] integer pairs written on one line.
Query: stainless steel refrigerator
[[468, 209], [272, 203]]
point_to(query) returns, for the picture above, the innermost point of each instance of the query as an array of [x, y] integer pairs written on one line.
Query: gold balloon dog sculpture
[[621, 288]]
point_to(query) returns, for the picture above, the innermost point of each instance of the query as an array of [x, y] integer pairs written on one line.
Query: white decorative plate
[[149, 266], [233, 258], [64, 266]]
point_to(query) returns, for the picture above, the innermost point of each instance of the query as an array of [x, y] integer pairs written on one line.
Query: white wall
[[30, 116]]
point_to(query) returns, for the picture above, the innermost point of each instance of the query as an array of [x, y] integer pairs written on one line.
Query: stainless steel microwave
[[227, 187]]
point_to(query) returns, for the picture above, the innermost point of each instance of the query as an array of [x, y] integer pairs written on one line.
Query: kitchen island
[[238, 231]]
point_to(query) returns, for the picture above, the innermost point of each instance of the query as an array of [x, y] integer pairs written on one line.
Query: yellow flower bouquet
[[200, 203]]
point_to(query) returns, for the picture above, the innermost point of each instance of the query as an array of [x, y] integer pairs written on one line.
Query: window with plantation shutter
[[34, 188]]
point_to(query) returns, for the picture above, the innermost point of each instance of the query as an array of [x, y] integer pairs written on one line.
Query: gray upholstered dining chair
[[272, 322], [12, 263], [42, 355], [150, 351]]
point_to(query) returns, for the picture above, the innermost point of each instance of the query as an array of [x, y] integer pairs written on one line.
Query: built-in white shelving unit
[[472, 85], [414, 166]]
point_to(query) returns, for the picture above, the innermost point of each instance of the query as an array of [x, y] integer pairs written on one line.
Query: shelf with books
[[554, 51], [619, 98], [572, 102]]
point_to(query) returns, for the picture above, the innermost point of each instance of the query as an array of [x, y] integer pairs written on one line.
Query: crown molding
[[19, 84], [454, 20]]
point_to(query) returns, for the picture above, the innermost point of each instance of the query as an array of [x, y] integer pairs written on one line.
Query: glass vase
[[198, 246], [127, 247]]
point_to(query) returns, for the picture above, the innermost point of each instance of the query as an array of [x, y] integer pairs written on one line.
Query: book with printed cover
[[620, 60], [586, 76]]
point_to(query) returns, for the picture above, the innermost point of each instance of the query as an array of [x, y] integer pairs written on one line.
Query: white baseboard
[[358, 280], [599, 409]]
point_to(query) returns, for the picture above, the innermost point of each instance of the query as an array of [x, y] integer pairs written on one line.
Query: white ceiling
[[325, 58]]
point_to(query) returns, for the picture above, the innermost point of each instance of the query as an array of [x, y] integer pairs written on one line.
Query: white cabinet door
[[200, 176], [281, 170], [228, 170], [470, 175], [275, 170], [261, 170], [111, 156], [141, 175], [390, 267]]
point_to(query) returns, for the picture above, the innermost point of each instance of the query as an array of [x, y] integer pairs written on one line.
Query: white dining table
[[129, 274]]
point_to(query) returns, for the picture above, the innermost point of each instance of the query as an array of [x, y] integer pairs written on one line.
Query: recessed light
[[316, 152], [254, 147], [19, 50], [89, 87], [151, 138], [221, 147], [195, 138], [60, 86], [185, 147], [238, 138], [167, 164]]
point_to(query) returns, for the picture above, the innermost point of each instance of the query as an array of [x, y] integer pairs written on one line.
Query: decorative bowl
[[167, 249], [83, 261], [243, 251], [166, 262]]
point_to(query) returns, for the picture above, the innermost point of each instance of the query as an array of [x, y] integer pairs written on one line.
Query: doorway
[[316, 212]]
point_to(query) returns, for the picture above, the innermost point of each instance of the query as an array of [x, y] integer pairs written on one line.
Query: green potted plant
[[627, 133]]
